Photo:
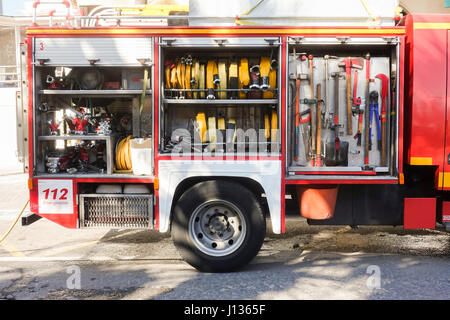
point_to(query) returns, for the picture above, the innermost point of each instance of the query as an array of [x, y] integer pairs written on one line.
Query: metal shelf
[[108, 139], [90, 175], [94, 93], [221, 101], [75, 137]]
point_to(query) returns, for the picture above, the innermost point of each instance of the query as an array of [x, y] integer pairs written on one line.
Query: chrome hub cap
[[217, 228]]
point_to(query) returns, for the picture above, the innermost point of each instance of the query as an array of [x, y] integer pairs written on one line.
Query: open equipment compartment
[[85, 104], [238, 115], [335, 142]]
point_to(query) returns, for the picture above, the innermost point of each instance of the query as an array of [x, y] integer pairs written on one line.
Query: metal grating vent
[[116, 211]]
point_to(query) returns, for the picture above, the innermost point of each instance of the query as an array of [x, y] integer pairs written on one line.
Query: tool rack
[[384, 57], [176, 110]]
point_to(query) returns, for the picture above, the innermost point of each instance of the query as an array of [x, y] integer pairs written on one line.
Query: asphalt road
[[46, 261]]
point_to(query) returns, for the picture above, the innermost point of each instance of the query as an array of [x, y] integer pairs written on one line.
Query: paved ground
[[45, 261]]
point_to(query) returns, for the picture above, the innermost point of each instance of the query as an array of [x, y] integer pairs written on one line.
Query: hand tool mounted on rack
[[336, 151], [301, 137], [312, 101], [356, 109], [367, 115], [318, 155], [327, 120], [373, 98], [384, 94], [348, 64]]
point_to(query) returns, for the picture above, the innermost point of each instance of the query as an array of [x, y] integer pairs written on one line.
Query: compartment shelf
[[220, 101], [79, 175], [90, 137], [95, 93]]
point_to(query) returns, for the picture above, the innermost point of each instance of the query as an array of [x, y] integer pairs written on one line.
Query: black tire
[[192, 209]]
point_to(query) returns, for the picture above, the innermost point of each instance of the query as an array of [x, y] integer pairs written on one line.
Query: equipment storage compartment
[[84, 118], [220, 96], [342, 113]]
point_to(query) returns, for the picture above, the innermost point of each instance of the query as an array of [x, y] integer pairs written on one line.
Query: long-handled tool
[[327, 119], [356, 109], [384, 93], [336, 151], [366, 115], [318, 155], [374, 111], [300, 148], [348, 64], [313, 112]]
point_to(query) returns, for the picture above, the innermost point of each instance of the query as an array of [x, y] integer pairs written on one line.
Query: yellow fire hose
[[15, 222]]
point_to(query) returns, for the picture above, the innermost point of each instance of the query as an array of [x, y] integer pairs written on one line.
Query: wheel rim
[[217, 228]]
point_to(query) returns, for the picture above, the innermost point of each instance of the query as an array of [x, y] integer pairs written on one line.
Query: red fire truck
[[207, 132]]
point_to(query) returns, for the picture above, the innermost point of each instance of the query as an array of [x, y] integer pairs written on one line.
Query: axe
[[348, 64], [384, 92]]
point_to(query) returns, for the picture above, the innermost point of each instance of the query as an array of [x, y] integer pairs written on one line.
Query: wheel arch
[[260, 176], [252, 185]]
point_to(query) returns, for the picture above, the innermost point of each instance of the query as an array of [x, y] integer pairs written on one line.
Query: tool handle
[[349, 106]]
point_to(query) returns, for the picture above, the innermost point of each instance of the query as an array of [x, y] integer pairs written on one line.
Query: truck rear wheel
[[218, 226]]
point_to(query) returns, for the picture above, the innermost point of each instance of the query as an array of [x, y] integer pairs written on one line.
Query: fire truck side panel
[[266, 173], [427, 89]]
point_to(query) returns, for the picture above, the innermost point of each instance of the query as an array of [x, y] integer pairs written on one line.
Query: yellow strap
[[266, 126], [273, 84], [201, 81], [233, 70], [167, 73], [173, 77], [212, 133], [232, 121], [244, 77], [274, 126], [179, 80], [183, 76], [211, 70], [195, 77], [221, 123], [201, 121], [223, 79], [187, 80], [264, 66], [211, 76], [233, 82]]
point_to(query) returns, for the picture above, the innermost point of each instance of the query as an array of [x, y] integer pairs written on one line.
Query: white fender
[[266, 172]]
